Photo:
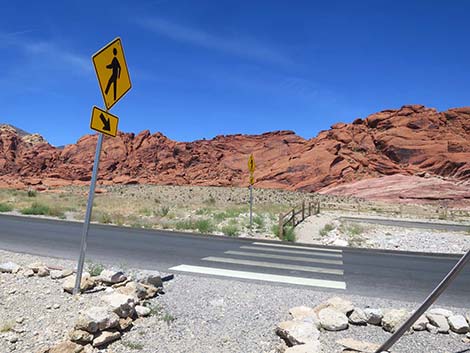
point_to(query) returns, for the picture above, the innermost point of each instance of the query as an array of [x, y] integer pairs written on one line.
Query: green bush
[[275, 229], [5, 207], [289, 234], [163, 211], [32, 193], [230, 230], [184, 224], [36, 209], [94, 269], [204, 226], [326, 229], [259, 221]]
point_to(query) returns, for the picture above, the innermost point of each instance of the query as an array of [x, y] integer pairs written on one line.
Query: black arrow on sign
[[106, 123]]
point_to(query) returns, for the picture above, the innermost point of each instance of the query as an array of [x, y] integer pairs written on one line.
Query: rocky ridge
[[413, 141]]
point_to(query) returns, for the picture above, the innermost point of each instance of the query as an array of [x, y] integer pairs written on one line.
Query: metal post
[[251, 206], [303, 210], [89, 207], [427, 303]]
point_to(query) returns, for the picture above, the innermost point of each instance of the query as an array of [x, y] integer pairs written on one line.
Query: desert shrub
[[204, 226], [289, 234], [5, 207], [259, 221], [94, 269], [353, 229], [184, 224], [32, 193], [210, 201], [275, 229], [163, 211], [230, 230], [36, 208], [326, 229]]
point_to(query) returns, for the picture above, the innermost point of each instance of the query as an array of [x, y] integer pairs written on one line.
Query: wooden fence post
[[318, 207], [293, 217], [281, 226], [309, 208], [303, 210]]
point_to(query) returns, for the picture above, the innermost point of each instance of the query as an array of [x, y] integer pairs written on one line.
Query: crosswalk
[[279, 263]]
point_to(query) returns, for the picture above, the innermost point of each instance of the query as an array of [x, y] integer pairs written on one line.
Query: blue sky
[[202, 68]]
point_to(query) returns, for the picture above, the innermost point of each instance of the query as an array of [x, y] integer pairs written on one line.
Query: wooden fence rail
[[292, 217]]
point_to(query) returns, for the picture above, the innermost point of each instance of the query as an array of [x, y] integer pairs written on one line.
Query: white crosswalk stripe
[[291, 264]]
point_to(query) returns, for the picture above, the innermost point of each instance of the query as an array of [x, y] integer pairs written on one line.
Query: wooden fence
[[297, 215]]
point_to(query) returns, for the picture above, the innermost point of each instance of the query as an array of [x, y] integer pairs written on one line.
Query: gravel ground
[[196, 314], [366, 235]]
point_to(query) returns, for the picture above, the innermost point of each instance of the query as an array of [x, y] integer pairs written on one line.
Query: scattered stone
[[421, 323], [458, 324], [95, 319], [297, 332], [13, 339], [111, 277], [138, 291], [56, 274], [86, 283], [124, 324], [80, 336], [431, 328], [341, 305], [358, 317], [19, 320], [43, 271], [443, 312], [309, 347], [56, 306], [333, 320], [152, 278], [106, 337], [358, 346], [440, 322], [142, 310], [9, 267], [374, 316], [393, 318], [66, 347], [300, 312], [35, 266], [121, 304], [28, 273]]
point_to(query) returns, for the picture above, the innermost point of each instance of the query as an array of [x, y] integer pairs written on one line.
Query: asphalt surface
[[385, 274]]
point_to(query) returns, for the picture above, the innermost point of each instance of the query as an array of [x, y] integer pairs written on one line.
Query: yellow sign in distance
[[251, 163], [104, 122], [111, 70]]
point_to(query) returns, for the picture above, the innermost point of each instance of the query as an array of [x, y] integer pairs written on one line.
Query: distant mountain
[[18, 130], [410, 141]]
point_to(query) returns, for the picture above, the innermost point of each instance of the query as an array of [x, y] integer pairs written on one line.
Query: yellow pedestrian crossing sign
[[252, 179], [104, 122], [251, 163], [111, 70]]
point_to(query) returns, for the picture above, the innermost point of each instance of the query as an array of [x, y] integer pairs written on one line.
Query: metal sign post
[[251, 206], [89, 207], [427, 303]]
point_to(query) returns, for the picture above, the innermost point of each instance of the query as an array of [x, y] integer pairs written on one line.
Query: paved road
[[386, 274], [410, 224]]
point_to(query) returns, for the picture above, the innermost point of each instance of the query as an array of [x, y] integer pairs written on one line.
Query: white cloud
[[240, 47]]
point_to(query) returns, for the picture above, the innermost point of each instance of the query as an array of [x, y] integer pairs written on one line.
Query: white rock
[[299, 312], [458, 324], [333, 320], [443, 312], [440, 322], [122, 304], [85, 284], [359, 346], [431, 328], [9, 267], [152, 278], [340, 242], [57, 274], [80, 336], [297, 332], [341, 305], [97, 318], [43, 271], [142, 310], [374, 316], [393, 319], [106, 337], [111, 277], [421, 323], [358, 317], [310, 347], [28, 273]]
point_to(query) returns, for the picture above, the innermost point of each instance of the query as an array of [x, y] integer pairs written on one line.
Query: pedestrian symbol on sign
[[115, 75]]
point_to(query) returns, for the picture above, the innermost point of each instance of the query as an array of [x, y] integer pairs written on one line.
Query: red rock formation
[[409, 141]]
